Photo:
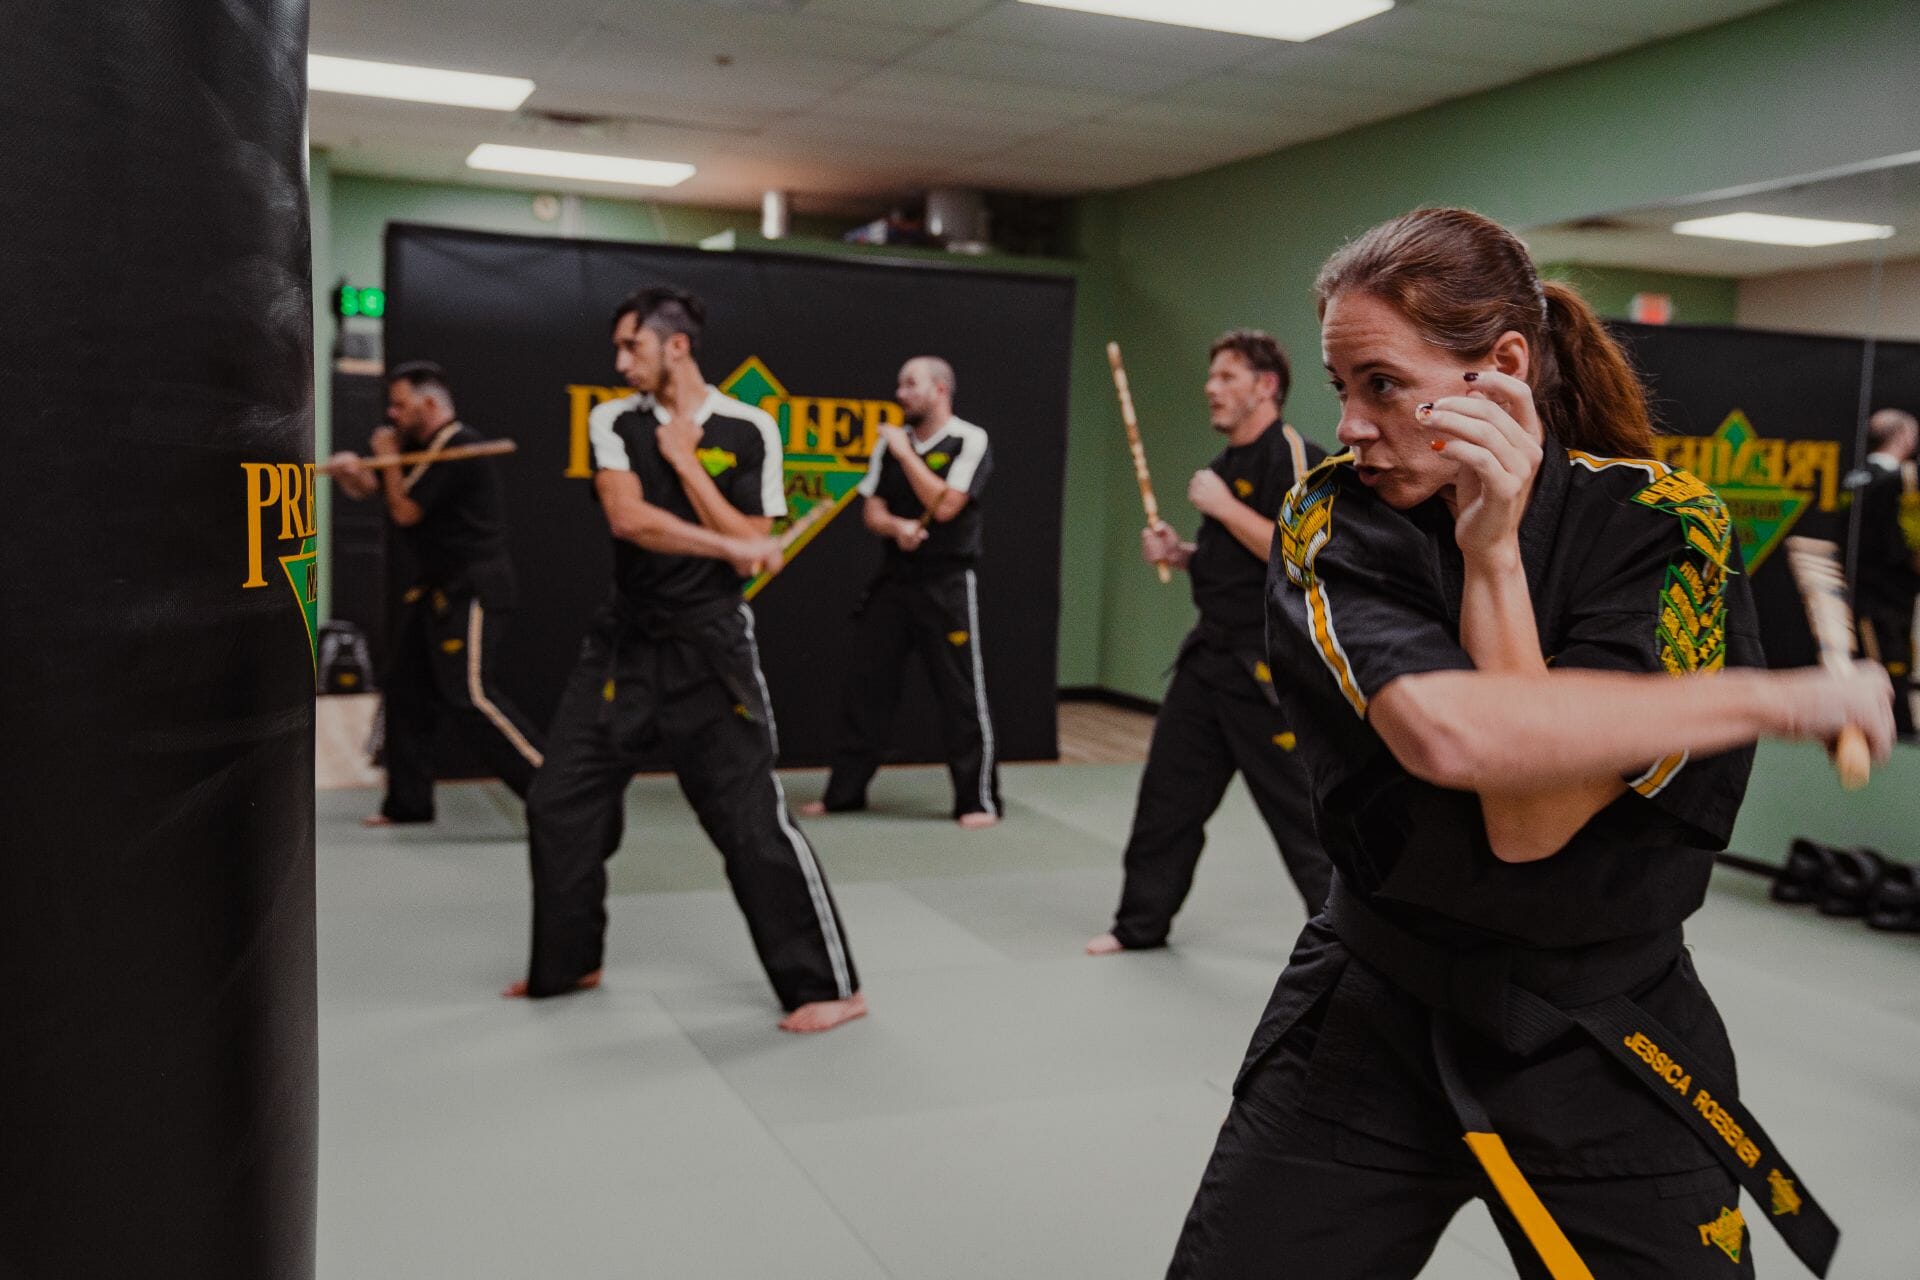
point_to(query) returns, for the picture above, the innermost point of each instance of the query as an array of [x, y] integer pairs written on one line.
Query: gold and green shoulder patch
[[1306, 518]]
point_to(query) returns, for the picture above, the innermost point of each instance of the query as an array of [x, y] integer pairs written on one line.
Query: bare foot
[[518, 991], [825, 1015], [1104, 945], [813, 809], [978, 821], [376, 820]]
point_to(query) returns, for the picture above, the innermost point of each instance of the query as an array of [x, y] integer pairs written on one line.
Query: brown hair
[[1262, 354], [1463, 280]]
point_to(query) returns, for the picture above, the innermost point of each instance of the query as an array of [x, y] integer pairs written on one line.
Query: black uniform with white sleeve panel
[[447, 638], [670, 664], [924, 601]]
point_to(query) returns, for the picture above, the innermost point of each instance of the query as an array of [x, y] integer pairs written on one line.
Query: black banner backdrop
[[1770, 421], [521, 325]]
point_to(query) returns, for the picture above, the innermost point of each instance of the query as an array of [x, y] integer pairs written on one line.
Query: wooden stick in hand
[[1139, 451], [794, 532], [1815, 564], [485, 449]]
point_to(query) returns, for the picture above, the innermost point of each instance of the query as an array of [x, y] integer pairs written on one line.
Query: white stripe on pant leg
[[477, 691], [980, 701], [802, 851]]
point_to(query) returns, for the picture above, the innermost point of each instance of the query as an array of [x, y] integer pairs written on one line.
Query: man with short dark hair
[[1221, 715], [453, 616], [690, 482], [1887, 562], [921, 499]]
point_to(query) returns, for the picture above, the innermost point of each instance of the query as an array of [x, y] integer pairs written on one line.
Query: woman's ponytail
[[1596, 403]]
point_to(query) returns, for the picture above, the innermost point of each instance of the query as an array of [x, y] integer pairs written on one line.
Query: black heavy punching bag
[[157, 1063]]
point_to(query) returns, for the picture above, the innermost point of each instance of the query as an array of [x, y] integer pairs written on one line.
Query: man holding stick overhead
[[922, 493], [1221, 715], [690, 482], [454, 615]]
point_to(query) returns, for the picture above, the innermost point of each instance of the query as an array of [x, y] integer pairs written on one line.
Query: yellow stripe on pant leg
[[1548, 1240]]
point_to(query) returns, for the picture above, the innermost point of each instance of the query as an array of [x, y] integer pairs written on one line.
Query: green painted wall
[[1696, 299], [1796, 793], [1788, 91]]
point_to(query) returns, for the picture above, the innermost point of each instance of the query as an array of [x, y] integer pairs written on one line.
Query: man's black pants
[[939, 619], [1887, 636], [694, 690], [1215, 722], [445, 654]]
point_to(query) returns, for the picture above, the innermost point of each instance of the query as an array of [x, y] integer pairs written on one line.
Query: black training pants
[[1215, 722], [699, 695], [1887, 636], [939, 619], [445, 653], [1275, 1205]]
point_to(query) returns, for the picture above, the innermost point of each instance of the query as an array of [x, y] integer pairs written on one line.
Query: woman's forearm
[[1497, 627], [1497, 732]]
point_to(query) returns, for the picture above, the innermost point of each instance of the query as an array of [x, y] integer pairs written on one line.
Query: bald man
[[922, 492], [1887, 565]]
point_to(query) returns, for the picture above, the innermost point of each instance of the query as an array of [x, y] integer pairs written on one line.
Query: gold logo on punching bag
[[285, 490]]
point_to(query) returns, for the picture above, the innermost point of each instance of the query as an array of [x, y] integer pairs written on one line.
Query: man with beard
[[690, 482], [1221, 715], [922, 493], [454, 614]]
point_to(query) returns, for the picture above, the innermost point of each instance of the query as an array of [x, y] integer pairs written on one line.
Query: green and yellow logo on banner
[[827, 441], [285, 489], [1767, 484]]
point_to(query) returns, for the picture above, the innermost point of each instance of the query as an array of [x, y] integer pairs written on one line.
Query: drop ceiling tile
[[1075, 32], [1240, 91], [500, 39], [931, 14], [1435, 35], [919, 82], [1639, 19], [1408, 77], [706, 30], [998, 60]]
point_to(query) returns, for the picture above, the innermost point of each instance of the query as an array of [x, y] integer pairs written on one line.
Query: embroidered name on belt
[[1680, 1080]]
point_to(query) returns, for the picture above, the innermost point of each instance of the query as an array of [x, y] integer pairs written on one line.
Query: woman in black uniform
[[1520, 641]]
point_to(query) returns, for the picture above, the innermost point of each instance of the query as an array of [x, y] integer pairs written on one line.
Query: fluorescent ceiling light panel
[[1772, 228], [574, 164], [415, 84], [1273, 19]]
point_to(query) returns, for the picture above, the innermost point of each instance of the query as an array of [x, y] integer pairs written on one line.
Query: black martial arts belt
[[692, 627], [1526, 998], [1248, 649]]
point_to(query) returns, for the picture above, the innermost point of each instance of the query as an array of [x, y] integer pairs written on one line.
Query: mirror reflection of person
[[1533, 668], [453, 617], [1886, 591]]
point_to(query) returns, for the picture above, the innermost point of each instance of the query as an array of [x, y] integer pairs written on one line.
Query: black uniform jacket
[[959, 455], [1632, 566], [460, 544], [1886, 580], [1228, 580], [740, 449]]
